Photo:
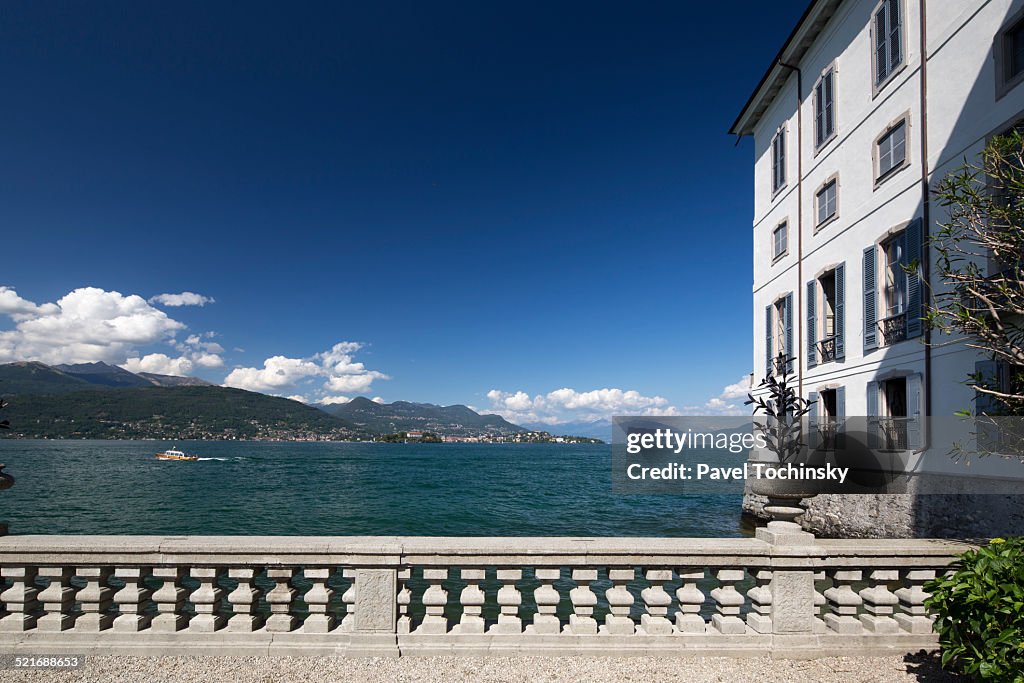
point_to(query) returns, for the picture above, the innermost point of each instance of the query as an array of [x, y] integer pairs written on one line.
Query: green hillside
[[403, 416], [36, 378]]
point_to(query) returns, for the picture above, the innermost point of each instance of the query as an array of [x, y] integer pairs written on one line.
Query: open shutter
[[840, 312], [813, 438], [915, 413], [812, 351], [874, 441], [870, 299], [768, 340], [913, 256], [840, 417], [789, 332]]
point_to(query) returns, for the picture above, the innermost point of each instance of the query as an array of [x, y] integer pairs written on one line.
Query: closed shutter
[[913, 257], [840, 312], [768, 340], [915, 413], [840, 417], [789, 332], [827, 110], [881, 45], [813, 440], [872, 424], [812, 352], [870, 299]]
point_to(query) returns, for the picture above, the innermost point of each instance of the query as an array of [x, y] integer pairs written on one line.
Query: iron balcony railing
[[894, 329], [891, 433], [827, 349]]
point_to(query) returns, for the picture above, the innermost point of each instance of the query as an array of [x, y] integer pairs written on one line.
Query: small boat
[[174, 454]]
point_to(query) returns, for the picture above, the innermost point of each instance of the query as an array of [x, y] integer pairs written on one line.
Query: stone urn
[[6, 482], [784, 495]]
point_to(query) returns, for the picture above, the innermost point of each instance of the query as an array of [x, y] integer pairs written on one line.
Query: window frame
[[831, 70], [821, 304], [878, 85], [781, 132], [778, 256], [779, 326], [818, 223], [876, 153], [1001, 52], [899, 239]]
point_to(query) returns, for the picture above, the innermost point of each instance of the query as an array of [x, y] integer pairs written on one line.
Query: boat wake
[[222, 459]]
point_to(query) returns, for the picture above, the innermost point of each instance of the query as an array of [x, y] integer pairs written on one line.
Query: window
[[826, 200], [895, 290], [894, 413], [780, 237], [825, 312], [888, 39], [780, 328], [828, 304], [892, 149], [892, 288], [826, 418], [779, 335], [824, 109], [1009, 54], [779, 160], [1013, 43]]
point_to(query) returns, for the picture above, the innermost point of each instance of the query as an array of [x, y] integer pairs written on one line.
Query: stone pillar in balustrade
[[170, 601], [434, 600], [691, 599], [244, 600], [20, 599], [56, 599], [913, 617], [759, 619], [509, 600], [377, 600], [844, 603], [819, 603], [318, 598], [880, 602], [546, 598], [404, 625], [472, 599], [620, 600], [657, 600], [729, 602], [132, 600], [95, 599], [348, 598], [206, 600], [280, 598], [582, 622]]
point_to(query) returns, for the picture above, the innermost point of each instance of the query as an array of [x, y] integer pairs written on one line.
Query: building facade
[[866, 107]]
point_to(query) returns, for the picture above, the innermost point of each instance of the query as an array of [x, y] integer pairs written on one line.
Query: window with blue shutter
[[813, 437], [789, 332], [824, 108], [840, 310], [915, 413], [873, 424], [915, 324], [870, 301], [768, 352], [812, 351], [778, 160], [888, 39]]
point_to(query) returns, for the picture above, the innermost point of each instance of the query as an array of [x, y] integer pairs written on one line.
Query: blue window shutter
[[840, 312], [768, 340], [895, 37], [870, 298], [812, 356], [874, 440], [840, 401], [915, 412], [789, 332], [812, 421], [913, 255], [840, 418], [881, 46], [989, 377]]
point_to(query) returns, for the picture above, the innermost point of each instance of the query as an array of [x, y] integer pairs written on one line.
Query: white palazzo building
[[865, 108]]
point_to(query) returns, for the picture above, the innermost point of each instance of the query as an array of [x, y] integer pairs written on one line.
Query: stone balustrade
[[384, 596]]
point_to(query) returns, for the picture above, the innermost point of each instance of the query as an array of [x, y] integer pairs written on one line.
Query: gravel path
[[915, 668]]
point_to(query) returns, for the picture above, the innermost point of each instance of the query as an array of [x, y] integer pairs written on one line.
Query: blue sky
[[470, 198]]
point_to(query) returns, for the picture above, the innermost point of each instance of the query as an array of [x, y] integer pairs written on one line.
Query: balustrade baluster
[[20, 599], [404, 600], [819, 602], [581, 621], [244, 600], [620, 600], [729, 601], [913, 616], [843, 602], [318, 599], [348, 598], [132, 600], [95, 599], [472, 599], [759, 618], [546, 598], [691, 599], [206, 600], [280, 598], [56, 599], [879, 601], [657, 600], [509, 600], [434, 600], [170, 601]]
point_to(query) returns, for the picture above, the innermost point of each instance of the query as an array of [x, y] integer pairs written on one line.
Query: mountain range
[[403, 416]]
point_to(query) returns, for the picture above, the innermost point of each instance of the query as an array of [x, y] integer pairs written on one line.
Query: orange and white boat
[[174, 454]]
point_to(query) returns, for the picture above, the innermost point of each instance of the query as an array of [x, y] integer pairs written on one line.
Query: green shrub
[[979, 610]]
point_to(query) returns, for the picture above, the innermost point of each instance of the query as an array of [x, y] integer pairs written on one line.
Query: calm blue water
[[119, 487]]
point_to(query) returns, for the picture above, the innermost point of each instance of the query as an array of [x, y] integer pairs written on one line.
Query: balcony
[[894, 329], [828, 434], [891, 434], [390, 596], [827, 349], [781, 364]]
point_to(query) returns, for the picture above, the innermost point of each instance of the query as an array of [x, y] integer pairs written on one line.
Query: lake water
[[119, 487]]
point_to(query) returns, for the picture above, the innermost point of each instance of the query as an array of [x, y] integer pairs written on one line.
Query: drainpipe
[[926, 225], [799, 221]]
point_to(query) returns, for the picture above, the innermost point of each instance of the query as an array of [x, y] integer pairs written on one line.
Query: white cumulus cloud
[[569, 405], [335, 371], [160, 364], [182, 299]]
